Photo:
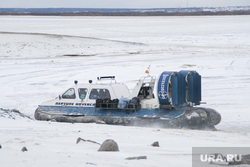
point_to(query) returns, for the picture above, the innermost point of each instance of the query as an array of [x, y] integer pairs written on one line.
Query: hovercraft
[[106, 101]]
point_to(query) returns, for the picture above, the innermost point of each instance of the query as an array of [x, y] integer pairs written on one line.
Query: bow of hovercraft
[[175, 105]]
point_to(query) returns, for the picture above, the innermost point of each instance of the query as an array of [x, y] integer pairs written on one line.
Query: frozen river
[[34, 68]]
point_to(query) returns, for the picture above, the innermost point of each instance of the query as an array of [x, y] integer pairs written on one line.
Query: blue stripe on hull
[[92, 111]]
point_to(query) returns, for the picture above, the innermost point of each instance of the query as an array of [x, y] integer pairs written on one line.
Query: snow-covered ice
[[34, 68]]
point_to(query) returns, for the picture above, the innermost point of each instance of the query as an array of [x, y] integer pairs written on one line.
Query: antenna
[[148, 70]]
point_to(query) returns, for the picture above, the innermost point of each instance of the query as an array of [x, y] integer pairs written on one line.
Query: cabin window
[[69, 94], [99, 94], [82, 93]]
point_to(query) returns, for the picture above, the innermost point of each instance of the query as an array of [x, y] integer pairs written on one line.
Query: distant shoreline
[[192, 11], [132, 13]]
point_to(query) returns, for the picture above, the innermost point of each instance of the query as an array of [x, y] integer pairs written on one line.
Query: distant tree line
[[154, 13]]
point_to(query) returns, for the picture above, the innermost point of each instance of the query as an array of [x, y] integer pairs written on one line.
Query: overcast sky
[[119, 3]]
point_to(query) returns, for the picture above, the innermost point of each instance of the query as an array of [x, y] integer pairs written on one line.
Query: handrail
[[106, 77]]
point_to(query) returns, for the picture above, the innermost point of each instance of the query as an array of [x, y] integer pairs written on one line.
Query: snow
[[34, 68]]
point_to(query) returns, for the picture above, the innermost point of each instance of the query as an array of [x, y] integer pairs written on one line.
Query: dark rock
[[24, 149], [109, 145], [12, 114], [78, 140], [155, 144], [91, 141], [245, 159], [136, 158], [0, 146], [89, 163]]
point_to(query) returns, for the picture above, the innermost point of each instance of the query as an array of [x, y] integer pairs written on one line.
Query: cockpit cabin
[[90, 92]]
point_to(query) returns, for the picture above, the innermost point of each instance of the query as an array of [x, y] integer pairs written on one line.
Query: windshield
[[69, 94]]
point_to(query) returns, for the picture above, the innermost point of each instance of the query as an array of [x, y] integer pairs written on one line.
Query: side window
[[99, 94], [69, 94], [82, 93]]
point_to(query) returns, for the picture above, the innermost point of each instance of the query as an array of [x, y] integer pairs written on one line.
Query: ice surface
[[34, 68]]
